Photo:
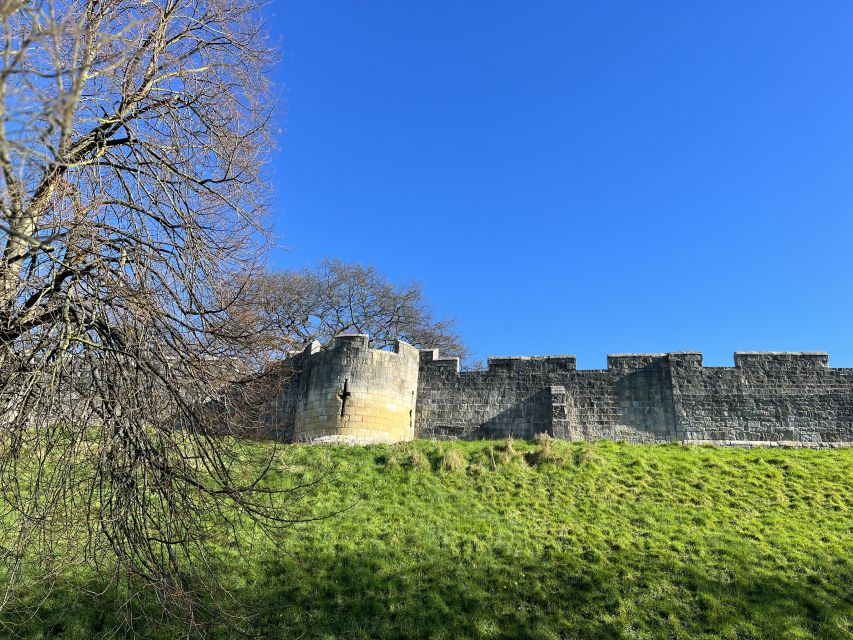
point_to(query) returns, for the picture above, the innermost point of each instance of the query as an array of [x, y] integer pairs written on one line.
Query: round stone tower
[[349, 392]]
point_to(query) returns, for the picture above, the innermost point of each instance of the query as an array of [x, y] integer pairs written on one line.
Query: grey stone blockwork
[[790, 398]]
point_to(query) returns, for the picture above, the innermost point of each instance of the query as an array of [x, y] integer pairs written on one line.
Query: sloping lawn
[[525, 540]]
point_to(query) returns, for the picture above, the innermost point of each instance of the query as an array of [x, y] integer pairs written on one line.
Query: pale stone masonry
[[347, 392], [351, 393]]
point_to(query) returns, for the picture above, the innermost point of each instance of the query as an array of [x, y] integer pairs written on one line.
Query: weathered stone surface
[[778, 399], [351, 393], [793, 399]]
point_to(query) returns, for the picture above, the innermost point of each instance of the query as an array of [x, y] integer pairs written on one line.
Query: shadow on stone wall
[[644, 401], [525, 419]]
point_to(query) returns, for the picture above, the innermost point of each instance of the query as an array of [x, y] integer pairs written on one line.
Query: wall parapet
[[347, 391], [430, 357], [633, 361], [641, 397], [532, 363], [691, 359], [781, 359]]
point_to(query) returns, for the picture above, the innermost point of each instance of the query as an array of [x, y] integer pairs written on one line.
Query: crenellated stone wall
[[777, 397], [348, 392], [790, 398]]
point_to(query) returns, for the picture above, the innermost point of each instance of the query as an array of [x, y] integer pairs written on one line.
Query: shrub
[[476, 470], [546, 453], [453, 461], [390, 460], [419, 461], [584, 455], [508, 453], [542, 438], [486, 458]]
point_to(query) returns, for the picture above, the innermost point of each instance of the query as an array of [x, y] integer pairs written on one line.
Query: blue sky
[[568, 177]]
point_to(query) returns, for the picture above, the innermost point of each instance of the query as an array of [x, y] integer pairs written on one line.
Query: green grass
[[542, 540]]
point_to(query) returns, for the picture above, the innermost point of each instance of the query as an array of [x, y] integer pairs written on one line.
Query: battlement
[[430, 358], [781, 360], [634, 361], [767, 397], [525, 364], [350, 392], [622, 362], [691, 359], [358, 342], [503, 364], [350, 340]]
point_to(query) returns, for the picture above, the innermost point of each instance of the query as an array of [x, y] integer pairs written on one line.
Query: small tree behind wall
[[336, 297]]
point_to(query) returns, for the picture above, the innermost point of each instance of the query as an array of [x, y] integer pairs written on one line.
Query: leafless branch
[[133, 139]]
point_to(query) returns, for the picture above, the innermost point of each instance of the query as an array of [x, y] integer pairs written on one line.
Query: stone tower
[[349, 392]]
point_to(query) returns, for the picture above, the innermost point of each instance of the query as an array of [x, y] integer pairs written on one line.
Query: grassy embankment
[[485, 540]]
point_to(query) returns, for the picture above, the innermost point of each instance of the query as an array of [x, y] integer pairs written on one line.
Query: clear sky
[[580, 177]]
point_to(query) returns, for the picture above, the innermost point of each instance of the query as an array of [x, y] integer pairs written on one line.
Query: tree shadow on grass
[[363, 595], [463, 593]]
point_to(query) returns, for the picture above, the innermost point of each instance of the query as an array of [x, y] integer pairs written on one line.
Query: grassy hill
[[525, 540]]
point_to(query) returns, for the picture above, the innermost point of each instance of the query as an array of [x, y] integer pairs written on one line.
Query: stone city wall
[[787, 397], [765, 398], [347, 392]]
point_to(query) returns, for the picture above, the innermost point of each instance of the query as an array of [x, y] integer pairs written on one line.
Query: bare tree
[[319, 303], [132, 139]]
